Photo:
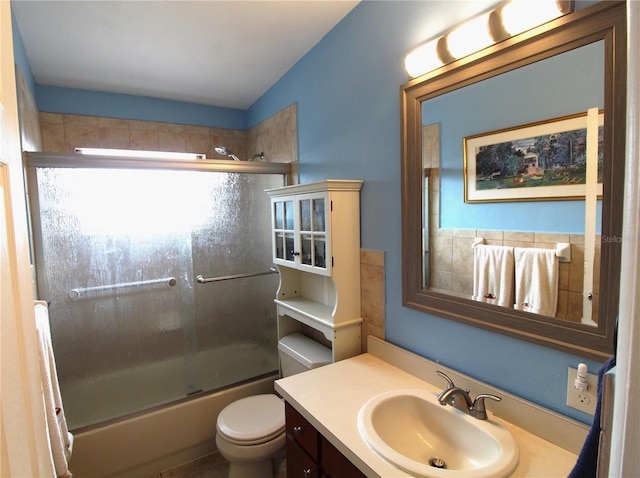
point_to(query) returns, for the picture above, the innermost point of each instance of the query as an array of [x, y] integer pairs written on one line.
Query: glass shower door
[[234, 327], [119, 250]]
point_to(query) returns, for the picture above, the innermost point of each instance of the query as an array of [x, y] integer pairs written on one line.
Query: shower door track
[[62, 160]]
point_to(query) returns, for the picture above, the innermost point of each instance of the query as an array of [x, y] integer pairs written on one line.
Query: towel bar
[[563, 249], [74, 294], [204, 280]]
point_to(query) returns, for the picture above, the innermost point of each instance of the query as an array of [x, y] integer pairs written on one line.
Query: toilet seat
[[252, 420]]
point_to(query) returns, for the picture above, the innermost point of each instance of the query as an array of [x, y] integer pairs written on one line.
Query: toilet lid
[[252, 420]]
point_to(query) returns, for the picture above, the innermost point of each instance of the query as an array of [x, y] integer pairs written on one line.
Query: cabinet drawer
[[335, 464], [299, 463], [301, 431]]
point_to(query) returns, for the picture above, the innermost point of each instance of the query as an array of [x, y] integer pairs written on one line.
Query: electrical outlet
[[583, 401]]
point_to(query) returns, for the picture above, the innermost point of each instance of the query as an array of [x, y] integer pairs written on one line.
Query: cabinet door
[[299, 464], [313, 235], [335, 465], [284, 230], [301, 226]]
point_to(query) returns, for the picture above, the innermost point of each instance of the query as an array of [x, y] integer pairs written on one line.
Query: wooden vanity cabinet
[[310, 455], [335, 464], [299, 463]]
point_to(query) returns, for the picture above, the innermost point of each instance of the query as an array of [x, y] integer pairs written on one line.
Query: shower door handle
[[200, 279], [74, 294]]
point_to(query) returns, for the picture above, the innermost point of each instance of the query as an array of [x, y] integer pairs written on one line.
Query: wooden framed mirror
[[598, 31]]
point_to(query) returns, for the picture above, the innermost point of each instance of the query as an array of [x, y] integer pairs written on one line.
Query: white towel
[[60, 440], [493, 274], [536, 280]]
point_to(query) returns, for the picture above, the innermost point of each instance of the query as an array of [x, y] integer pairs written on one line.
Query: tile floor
[[210, 466]]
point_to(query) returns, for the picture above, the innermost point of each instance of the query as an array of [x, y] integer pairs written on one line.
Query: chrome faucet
[[459, 398]]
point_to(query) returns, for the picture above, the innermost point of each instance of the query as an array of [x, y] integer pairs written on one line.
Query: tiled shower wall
[[276, 136]]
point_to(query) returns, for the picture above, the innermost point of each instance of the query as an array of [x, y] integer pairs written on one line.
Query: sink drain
[[437, 463]]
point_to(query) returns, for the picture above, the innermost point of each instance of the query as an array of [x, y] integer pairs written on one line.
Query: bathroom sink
[[413, 432]]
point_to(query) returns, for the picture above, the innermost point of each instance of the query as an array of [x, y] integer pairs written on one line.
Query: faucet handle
[[479, 409], [450, 383]]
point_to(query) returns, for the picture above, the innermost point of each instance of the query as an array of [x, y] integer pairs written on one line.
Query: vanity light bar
[[509, 19], [132, 153]]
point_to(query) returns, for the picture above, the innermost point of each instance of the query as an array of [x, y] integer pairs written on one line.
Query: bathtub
[[154, 441], [123, 392]]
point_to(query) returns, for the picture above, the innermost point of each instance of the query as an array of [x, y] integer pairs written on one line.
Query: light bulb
[[469, 37], [134, 153], [522, 15], [423, 59]]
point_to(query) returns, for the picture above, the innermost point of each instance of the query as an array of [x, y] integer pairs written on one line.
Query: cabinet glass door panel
[[278, 214], [320, 252], [284, 224], [306, 243], [318, 215], [314, 250], [280, 245], [283, 215], [288, 215], [289, 247], [305, 215]]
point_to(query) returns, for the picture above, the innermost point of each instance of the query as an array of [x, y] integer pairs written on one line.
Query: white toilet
[[250, 431]]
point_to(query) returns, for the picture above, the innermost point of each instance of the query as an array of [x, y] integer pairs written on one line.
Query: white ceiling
[[212, 52]]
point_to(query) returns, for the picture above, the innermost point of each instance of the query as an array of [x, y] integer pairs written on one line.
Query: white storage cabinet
[[316, 246]]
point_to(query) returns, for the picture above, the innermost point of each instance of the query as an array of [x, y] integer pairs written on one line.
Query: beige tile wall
[[372, 280], [451, 267], [62, 133], [29, 121], [276, 136]]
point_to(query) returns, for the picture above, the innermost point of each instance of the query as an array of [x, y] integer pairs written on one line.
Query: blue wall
[[559, 86], [54, 99], [347, 92]]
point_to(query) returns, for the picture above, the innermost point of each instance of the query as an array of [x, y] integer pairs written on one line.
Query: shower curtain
[[117, 256]]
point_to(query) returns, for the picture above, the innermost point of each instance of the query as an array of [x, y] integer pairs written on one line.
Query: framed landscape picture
[[533, 162]]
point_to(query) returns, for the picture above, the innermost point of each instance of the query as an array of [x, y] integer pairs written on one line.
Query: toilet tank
[[298, 353]]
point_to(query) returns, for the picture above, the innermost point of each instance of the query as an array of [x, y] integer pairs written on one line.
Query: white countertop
[[331, 396]]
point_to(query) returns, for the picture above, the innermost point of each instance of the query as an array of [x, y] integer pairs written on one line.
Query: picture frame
[[540, 161]]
